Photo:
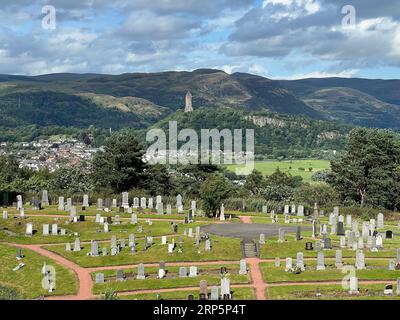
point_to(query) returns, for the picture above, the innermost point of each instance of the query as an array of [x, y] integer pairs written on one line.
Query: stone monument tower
[[188, 102]]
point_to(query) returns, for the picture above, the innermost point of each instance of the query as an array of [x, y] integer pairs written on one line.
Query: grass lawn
[[376, 270], [88, 230], [237, 294], [329, 292], [292, 166], [92, 211], [27, 281], [222, 249], [172, 280]]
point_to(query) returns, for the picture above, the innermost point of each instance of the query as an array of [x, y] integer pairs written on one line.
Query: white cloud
[[320, 74]]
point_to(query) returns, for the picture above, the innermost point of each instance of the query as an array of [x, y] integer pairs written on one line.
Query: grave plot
[[329, 292], [22, 278], [375, 270], [14, 229], [225, 249], [171, 277], [237, 294]]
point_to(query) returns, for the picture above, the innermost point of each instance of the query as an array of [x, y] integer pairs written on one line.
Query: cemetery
[[175, 252]]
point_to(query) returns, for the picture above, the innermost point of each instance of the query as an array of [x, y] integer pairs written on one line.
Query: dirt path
[[246, 219], [257, 278], [85, 282]]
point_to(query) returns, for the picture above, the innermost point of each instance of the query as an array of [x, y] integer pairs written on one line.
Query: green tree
[[367, 170], [120, 166], [158, 180], [255, 183], [71, 179], [213, 192], [320, 193]]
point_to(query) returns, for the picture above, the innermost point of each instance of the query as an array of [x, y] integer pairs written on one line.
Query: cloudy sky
[[274, 38]]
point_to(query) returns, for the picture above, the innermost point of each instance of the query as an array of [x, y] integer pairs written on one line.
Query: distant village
[[50, 154]]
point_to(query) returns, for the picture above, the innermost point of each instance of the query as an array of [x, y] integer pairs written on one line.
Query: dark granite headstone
[[309, 246], [340, 229]]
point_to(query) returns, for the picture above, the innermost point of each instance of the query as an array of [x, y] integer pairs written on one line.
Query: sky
[[278, 39]]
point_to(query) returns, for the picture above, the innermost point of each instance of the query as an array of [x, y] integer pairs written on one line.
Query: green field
[[292, 166]]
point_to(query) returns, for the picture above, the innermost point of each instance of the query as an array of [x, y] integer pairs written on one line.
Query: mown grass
[[209, 273], [376, 270], [237, 294], [329, 292], [222, 249], [27, 281]]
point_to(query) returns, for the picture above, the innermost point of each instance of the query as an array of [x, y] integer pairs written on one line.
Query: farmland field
[[294, 167]]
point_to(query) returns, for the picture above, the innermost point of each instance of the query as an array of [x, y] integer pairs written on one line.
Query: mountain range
[[142, 99]]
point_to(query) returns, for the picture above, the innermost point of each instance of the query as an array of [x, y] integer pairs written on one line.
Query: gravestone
[[182, 272], [353, 285], [360, 260], [159, 208], [99, 204], [140, 275], [340, 229], [281, 235], [222, 215], [68, 246], [143, 204], [85, 202], [392, 265], [19, 254], [300, 261], [120, 275], [5, 215], [343, 242], [29, 229], [288, 264], [164, 240], [262, 238], [135, 203], [277, 262], [99, 278], [338, 259], [389, 234], [215, 293], [61, 203], [298, 233], [193, 271], [309, 246], [243, 267], [300, 211], [46, 229], [226, 288], [327, 244], [134, 218], [45, 198], [203, 288], [150, 204], [54, 229], [125, 200], [207, 245], [68, 205], [320, 261], [77, 245]]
